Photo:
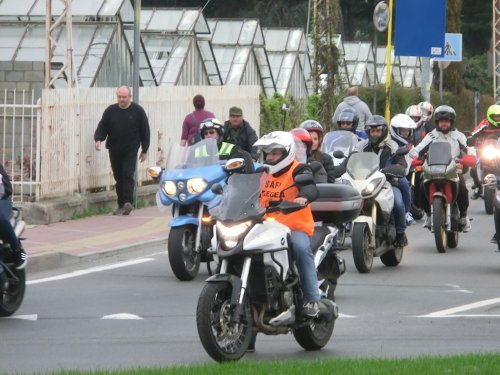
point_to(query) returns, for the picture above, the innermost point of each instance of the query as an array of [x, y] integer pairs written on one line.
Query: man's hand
[[143, 156], [300, 200], [98, 145]]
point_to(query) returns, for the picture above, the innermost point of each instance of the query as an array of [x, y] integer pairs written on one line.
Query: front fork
[[197, 244], [374, 220]]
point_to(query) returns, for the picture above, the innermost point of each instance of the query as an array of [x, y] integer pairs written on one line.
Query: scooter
[[12, 297], [373, 231], [257, 287], [186, 183]]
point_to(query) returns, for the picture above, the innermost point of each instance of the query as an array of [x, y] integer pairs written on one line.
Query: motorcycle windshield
[[241, 198], [202, 154], [439, 153], [342, 140], [362, 164]]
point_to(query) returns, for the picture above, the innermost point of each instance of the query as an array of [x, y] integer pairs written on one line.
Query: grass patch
[[94, 211], [463, 364]]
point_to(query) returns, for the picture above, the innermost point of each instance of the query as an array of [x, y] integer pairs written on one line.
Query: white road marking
[[23, 317], [453, 312], [122, 316], [88, 271], [347, 316]]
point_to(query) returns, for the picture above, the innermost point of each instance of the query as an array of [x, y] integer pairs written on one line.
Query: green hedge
[[272, 117]]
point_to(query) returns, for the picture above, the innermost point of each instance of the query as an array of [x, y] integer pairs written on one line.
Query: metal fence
[[48, 146]]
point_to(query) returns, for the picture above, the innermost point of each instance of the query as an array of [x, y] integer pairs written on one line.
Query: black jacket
[[245, 138], [6, 183]]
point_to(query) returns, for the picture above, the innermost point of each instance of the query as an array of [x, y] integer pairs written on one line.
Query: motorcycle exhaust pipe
[[328, 308]]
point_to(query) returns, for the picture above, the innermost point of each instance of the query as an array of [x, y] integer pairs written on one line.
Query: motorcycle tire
[[497, 225], [416, 213], [315, 335], [222, 339], [489, 194], [393, 257], [361, 250], [184, 260], [452, 239], [12, 298], [439, 224]]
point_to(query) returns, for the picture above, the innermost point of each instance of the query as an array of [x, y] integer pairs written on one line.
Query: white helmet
[[415, 112], [402, 121], [277, 140]]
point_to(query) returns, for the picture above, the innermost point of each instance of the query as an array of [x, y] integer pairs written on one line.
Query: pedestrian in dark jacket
[[239, 132], [125, 127]]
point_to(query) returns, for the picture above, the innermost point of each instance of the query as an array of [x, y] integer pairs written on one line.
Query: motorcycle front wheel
[[222, 337], [393, 257], [11, 299], [361, 251], [184, 260], [439, 224]]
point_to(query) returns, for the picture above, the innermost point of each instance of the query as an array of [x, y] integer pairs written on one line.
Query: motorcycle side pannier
[[337, 204]]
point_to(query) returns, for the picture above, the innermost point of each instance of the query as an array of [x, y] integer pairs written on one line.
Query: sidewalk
[[70, 242]]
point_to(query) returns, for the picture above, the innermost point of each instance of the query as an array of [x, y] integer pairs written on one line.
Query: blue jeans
[[6, 231], [399, 210], [404, 186], [304, 260]]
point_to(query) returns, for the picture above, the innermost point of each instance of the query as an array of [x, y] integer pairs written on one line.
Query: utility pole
[[51, 29], [496, 49]]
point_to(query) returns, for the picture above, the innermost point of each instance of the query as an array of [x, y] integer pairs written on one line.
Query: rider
[[402, 127], [211, 128], [445, 131], [316, 132], [415, 114], [487, 128], [278, 148], [348, 120], [6, 230], [379, 143], [303, 144], [427, 110]]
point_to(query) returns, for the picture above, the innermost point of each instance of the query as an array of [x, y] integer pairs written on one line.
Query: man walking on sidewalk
[[125, 127]]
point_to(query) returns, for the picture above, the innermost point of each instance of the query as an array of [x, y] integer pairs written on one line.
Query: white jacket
[[457, 139]]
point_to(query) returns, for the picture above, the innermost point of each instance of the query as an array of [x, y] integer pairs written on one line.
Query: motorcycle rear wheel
[[489, 194], [393, 257], [184, 260], [439, 224], [361, 251], [11, 299], [314, 335], [223, 339]]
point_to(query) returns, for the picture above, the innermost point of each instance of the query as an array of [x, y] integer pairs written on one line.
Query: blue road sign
[[452, 50], [420, 28]]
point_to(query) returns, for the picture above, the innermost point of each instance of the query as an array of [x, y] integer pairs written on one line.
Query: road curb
[[50, 261]]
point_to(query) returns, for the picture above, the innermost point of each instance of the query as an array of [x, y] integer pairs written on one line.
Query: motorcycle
[[257, 287], [186, 183], [441, 180], [373, 231], [414, 177], [339, 140], [12, 297], [488, 170]]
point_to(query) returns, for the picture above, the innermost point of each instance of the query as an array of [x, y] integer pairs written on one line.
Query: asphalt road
[[133, 312]]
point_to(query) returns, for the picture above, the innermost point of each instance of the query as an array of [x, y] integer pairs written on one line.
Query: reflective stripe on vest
[[225, 149]]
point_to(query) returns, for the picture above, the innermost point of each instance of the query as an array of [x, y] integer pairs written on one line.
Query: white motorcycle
[[373, 232], [257, 286]]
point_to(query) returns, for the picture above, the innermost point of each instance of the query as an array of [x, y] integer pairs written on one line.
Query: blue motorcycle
[[186, 183]]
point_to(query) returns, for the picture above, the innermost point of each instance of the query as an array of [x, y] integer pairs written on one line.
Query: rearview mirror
[[338, 154], [234, 164], [216, 189]]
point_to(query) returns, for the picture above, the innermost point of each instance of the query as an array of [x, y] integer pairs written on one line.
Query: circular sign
[[381, 16]]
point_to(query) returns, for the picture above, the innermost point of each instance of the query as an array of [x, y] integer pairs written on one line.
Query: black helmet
[[211, 123], [348, 115], [445, 112], [377, 122]]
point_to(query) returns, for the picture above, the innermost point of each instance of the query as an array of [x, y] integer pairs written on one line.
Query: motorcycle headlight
[[370, 188], [230, 233], [196, 185], [489, 152], [169, 187]]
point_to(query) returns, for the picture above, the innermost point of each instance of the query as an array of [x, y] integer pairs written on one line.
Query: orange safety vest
[[273, 191]]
